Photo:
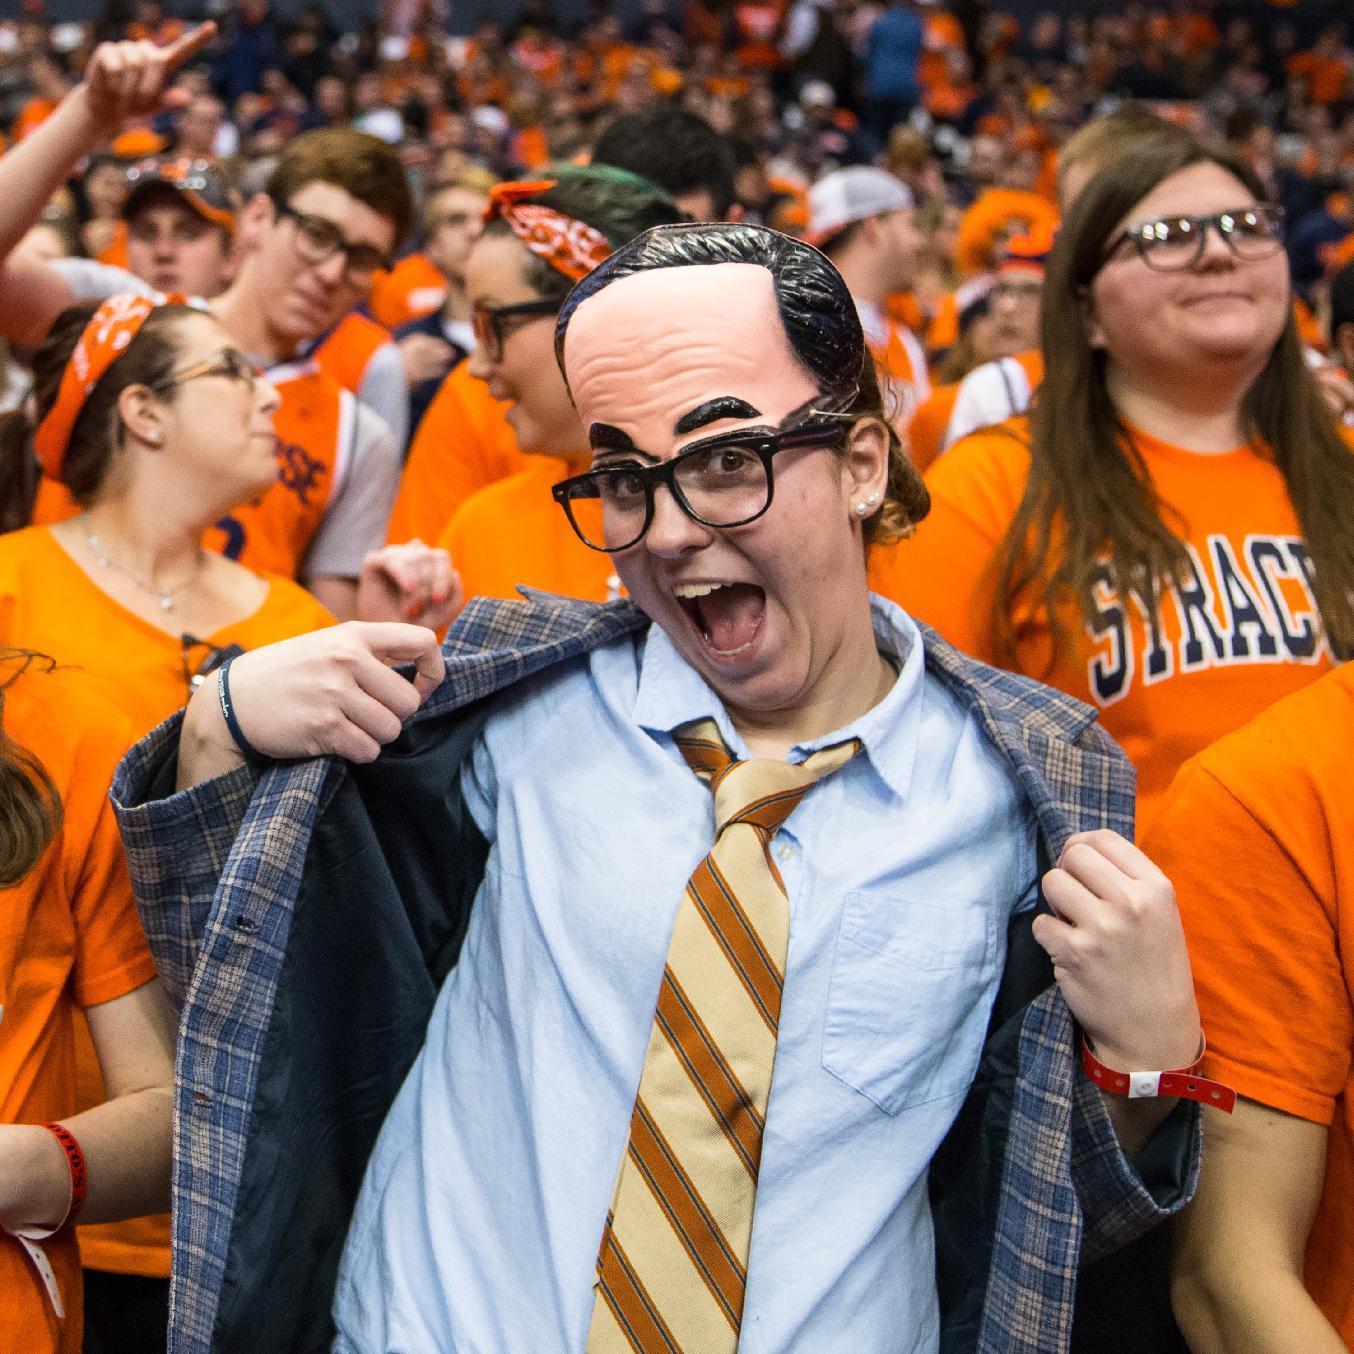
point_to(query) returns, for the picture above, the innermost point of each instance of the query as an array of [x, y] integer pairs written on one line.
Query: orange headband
[[114, 325], [569, 246]]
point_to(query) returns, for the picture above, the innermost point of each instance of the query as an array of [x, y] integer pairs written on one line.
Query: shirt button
[[785, 851]]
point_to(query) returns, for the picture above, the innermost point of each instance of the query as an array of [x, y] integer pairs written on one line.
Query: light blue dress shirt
[[479, 1219]]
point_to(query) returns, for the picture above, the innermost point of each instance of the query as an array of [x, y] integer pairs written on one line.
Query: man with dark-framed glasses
[[335, 207], [809, 1087]]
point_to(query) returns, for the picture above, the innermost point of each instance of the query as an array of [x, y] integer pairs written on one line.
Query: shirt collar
[[672, 693]]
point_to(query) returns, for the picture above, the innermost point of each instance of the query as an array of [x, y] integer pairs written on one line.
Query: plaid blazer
[[218, 870]]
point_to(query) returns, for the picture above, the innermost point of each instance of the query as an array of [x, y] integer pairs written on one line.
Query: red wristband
[[75, 1159], [1183, 1082]]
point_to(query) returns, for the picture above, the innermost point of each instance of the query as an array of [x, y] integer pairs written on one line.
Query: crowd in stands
[[278, 348]]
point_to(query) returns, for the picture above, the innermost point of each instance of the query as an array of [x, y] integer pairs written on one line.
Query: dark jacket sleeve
[[392, 869]]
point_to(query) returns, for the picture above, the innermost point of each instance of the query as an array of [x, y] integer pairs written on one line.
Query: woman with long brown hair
[[1166, 536], [69, 940]]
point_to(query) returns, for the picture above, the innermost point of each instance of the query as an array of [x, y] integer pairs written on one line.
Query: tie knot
[[762, 793]]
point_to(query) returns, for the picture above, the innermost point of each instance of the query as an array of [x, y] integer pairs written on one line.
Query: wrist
[[206, 748], [1183, 1080], [37, 1178], [1179, 1048], [81, 120]]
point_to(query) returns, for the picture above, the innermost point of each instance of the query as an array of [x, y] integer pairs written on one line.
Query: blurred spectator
[[864, 220], [181, 220], [893, 51], [1342, 317], [434, 342], [250, 49], [678, 151], [105, 191], [198, 131]]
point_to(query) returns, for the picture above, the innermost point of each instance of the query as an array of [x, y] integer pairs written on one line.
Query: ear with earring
[[863, 509]]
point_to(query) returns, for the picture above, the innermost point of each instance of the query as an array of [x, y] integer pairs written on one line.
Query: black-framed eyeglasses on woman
[[493, 324], [723, 481], [1177, 242]]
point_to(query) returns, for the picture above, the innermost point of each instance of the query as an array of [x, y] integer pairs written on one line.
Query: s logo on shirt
[[298, 470]]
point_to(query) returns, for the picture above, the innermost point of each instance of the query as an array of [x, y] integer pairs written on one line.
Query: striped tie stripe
[[672, 1266], [737, 937]]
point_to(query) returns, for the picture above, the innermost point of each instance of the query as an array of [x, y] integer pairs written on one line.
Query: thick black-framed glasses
[[493, 324], [722, 481], [1174, 243], [317, 240], [200, 659], [229, 362]]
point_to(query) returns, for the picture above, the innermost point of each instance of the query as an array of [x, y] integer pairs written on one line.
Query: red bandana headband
[[106, 337], [569, 246]]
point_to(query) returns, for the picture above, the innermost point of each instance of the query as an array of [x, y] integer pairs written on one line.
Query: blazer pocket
[[908, 997]]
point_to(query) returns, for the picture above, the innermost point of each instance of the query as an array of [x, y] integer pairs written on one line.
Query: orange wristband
[[1183, 1082]]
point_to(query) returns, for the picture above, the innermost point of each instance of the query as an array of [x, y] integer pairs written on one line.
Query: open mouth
[[728, 617]]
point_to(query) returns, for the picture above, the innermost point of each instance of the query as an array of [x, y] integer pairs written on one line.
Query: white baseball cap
[[852, 194]]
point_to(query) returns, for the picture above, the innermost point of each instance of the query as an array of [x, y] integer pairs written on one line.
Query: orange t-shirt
[[69, 937], [463, 444], [31, 116], [1257, 835], [899, 360], [414, 287], [514, 533], [48, 603], [1245, 633]]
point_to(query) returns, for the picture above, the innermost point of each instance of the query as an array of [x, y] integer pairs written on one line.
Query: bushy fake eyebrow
[[607, 437], [722, 406]]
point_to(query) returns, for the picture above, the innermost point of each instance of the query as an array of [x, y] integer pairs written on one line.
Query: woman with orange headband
[[157, 425], [539, 239]]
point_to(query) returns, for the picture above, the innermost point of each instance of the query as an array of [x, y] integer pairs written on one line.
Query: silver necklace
[[165, 597]]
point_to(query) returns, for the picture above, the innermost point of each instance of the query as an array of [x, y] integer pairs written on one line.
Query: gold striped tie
[[673, 1261]]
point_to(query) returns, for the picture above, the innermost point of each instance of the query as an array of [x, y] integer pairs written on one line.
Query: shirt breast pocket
[[909, 997]]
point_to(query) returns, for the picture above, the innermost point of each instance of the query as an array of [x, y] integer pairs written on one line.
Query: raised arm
[[123, 80]]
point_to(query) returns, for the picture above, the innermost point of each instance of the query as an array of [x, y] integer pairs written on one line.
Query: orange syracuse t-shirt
[[49, 604], [1242, 634], [1257, 835], [69, 938], [515, 533], [463, 444]]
